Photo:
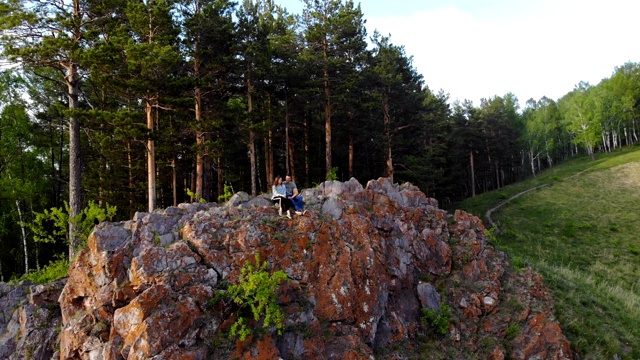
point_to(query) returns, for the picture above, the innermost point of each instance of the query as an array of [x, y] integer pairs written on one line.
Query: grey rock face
[[34, 320]]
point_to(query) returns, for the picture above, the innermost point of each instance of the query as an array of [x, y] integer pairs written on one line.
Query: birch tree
[[579, 112], [21, 174]]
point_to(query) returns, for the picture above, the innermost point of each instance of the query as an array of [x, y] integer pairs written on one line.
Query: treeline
[[146, 104]]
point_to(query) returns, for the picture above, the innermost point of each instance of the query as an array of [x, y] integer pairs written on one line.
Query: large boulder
[[361, 264]]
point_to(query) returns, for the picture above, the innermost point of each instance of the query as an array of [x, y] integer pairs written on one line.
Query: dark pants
[[285, 204], [298, 203]]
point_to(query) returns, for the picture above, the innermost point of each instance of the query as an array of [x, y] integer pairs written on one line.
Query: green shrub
[[196, 197], [517, 262], [257, 291], [439, 319], [228, 193], [512, 331], [332, 175], [491, 235], [52, 225], [56, 269]]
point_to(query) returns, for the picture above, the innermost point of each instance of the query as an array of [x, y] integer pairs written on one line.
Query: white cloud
[[543, 50]]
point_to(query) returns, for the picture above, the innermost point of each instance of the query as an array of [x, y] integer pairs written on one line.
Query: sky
[[475, 49]]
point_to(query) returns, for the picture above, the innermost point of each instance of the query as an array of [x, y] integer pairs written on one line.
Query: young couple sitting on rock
[[285, 194]]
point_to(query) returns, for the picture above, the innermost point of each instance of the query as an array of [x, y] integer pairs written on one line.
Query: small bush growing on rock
[[332, 175], [156, 240], [196, 197], [439, 319], [257, 291], [512, 331], [228, 193]]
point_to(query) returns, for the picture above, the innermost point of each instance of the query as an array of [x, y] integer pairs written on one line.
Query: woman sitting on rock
[[279, 196]]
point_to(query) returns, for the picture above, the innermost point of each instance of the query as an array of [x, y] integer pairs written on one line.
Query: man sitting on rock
[[292, 194]]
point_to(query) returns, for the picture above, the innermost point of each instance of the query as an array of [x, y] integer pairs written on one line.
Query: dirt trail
[[487, 215]]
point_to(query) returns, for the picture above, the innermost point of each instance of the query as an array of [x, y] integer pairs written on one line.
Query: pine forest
[[113, 107]]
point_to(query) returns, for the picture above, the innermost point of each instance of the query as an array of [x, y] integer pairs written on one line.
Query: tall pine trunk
[[151, 158], [307, 157], [75, 164], [350, 134], [268, 148], [252, 161], [473, 175], [200, 139], [350, 155], [132, 199], [174, 181], [220, 176], [327, 107], [200, 134], [268, 161], [387, 132], [287, 139], [252, 137]]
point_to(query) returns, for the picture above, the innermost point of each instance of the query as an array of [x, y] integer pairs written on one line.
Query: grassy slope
[[582, 233]]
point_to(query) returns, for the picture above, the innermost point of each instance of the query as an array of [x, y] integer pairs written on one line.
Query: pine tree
[[152, 57], [43, 34], [210, 46], [399, 89], [334, 38]]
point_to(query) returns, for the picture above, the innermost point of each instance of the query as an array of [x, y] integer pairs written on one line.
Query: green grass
[[56, 269], [582, 234], [483, 202]]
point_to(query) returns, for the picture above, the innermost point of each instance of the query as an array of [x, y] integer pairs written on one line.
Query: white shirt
[[278, 191]]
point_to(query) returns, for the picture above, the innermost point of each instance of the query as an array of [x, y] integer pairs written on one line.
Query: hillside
[[370, 272], [580, 231]]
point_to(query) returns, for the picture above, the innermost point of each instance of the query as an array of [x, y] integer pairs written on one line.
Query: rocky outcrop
[[29, 320], [361, 264]]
